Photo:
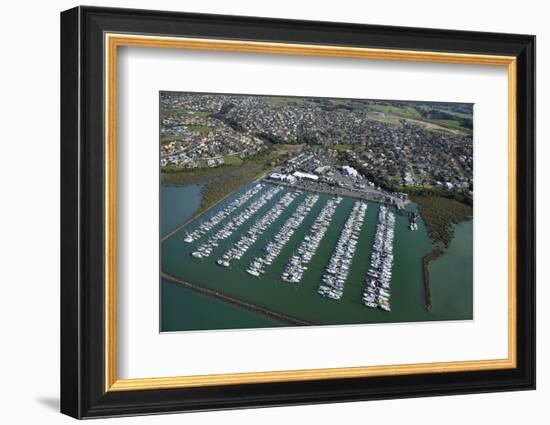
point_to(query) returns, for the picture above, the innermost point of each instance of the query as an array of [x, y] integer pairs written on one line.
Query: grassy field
[[168, 139], [394, 112], [200, 128], [382, 117], [452, 124], [233, 160], [402, 111], [341, 147]]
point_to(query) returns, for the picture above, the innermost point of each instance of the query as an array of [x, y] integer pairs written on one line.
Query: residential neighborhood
[[401, 146]]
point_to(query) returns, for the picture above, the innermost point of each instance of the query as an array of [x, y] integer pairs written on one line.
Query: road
[[369, 193]]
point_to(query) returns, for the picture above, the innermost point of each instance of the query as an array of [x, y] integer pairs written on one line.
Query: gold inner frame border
[[111, 43]]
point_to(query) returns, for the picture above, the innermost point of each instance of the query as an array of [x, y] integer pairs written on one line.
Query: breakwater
[[450, 301], [284, 318]]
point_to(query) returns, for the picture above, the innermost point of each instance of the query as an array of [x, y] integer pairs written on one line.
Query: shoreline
[[440, 216], [426, 278], [283, 318], [195, 215], [427, 259], [200, 211]]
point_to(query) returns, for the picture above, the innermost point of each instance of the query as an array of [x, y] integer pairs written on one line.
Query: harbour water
[[452, 282], [177, 205], [184, 309]]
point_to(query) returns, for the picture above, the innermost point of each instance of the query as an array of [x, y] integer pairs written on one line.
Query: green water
[[452, 283], [451, 276], [184, 309], [177, 205]]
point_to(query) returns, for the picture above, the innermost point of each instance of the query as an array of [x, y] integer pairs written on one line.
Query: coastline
[[204, 206], [441, 216], [194, 216], [426, 277], [218, 183], [436, 253]]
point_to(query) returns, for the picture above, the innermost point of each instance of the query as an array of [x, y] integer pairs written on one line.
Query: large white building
[[349, 171], [300, 175], [282, 177]]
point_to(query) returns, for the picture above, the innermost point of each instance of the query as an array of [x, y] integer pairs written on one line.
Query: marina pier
[[367, 194], [296, 232]]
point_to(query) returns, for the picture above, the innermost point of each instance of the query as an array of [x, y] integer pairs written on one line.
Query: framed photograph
[[261, 212]]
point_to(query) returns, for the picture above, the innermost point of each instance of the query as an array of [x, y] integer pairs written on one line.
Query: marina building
[[349, 171], [282, 177], [307, 176]]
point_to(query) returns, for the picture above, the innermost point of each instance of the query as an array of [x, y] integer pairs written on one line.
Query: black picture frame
[[82, 219]]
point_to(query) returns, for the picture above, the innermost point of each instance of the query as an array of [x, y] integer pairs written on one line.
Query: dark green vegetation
[[218, 182], [168, 139], [233, 160], [440, 215], [431, 256], [388, 183], [341, 148], [199, 128]]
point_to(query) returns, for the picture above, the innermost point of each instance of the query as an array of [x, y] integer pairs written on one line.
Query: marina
[[337, 270], [256, 230], [289, 284], [297, 264], [272, 250], [293, 211], [233, 224], [207, 225], [376, 289]]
